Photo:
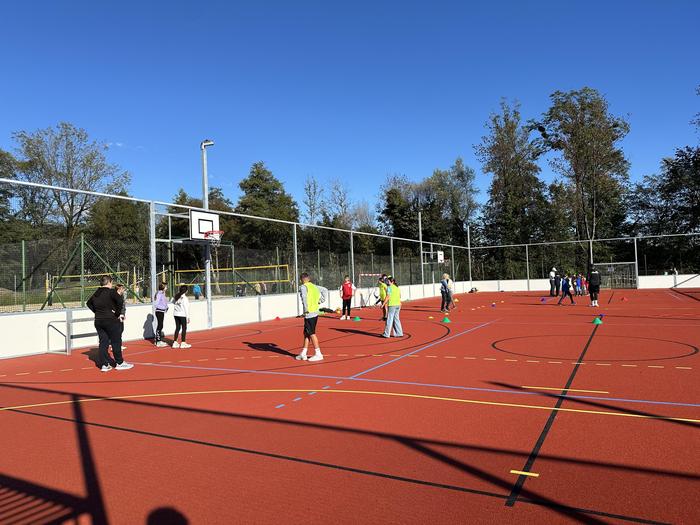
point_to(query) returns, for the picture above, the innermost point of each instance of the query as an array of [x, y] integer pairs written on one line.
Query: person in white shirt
[[181, 313], [552, 282]]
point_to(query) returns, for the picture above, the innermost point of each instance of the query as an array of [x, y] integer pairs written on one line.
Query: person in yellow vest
[[311, 297], [393, 304], [382, 285]]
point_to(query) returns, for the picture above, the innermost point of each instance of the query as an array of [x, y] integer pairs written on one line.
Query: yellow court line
[[360, 392], [569, 389], [523, 473]]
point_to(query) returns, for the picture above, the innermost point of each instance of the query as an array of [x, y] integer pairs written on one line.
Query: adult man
[[311, 297], [107, 304], [557, 283], [552, 277], [594, 285]]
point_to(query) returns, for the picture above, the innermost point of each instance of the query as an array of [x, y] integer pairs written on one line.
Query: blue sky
[[353, 91]]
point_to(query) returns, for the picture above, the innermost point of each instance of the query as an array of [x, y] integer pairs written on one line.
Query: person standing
[[566, 290], [161, 305], [446, 293], [383, 284], [347, 290], [121, 290], [393, 304], [106, 304], [311, 297], [594, 281], [557, 283], [552, 281], [181, 314], [197, 291]]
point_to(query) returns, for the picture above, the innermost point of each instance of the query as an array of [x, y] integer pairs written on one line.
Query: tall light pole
[[207, 247]]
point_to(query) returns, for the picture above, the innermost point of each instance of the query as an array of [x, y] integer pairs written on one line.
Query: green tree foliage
[[65, 156], [446, 201], [264, 196], [585, 137], [517, 203], [669, 202]]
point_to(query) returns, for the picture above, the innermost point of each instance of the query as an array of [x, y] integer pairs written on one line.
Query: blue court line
[[413, 383], [435, 343]]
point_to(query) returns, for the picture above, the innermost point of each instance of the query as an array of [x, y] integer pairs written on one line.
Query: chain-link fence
[[56, 245]]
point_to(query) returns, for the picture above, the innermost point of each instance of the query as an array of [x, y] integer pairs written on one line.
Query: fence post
[[352, 259], [296, 267], [636, 266], [452, 258], [527, 265], [69, 331], [420, 245], [469, 257], [233, 270], [82, 270], [391, 255], [152, 255], [24, 276]]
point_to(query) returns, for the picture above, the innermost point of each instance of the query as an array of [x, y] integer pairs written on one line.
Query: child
[[161, 304], [311, 296], [382, 284], [347, 290], [181, 314], [566, 290], [393, 304], [578, 284], [197, 291], [446, 286]]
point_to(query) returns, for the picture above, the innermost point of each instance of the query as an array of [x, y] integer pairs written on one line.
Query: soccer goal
[[367, 288]]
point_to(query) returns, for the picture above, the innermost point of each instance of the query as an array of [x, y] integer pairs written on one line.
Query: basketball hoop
[[214, 237]]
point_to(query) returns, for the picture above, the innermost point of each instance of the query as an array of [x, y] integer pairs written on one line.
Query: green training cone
[[446, 320], [597, 320], [357, 319]]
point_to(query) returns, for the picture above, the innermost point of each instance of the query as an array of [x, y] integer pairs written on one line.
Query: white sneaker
[[124, 366], [185, 345], [176, 344], [161, 344], [123, 347], [342, 318], [318, 356], [105, 368], [301, 357]]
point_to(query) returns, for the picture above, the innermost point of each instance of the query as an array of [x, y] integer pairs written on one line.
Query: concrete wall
[[40, 332]]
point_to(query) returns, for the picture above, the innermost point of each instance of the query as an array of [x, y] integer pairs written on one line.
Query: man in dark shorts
[[594, 285], [311, 297], [107, 304]]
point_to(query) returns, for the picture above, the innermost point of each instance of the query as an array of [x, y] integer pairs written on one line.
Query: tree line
[[592, 196]]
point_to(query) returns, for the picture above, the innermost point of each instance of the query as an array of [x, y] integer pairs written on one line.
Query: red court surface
[[518, 411]]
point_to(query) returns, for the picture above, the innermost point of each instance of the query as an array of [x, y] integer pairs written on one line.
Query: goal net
[[367, 288], [617, 275]]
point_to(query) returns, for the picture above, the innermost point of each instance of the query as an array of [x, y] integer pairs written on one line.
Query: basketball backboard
[[202, 222]]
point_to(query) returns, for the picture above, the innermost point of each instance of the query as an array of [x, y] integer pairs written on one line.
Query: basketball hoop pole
[[207, 247]]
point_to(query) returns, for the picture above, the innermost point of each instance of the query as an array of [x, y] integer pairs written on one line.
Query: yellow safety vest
[[382, 291], [313, 295], [394, 296]]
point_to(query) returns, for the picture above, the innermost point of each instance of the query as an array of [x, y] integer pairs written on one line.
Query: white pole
[[527, 265], [636, 265], [420, 242], [469, 255], [207, 246]]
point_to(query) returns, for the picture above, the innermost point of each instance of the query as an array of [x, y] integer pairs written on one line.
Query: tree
[[579, 128], [8, 169], [313, 200], [64, 156], [513, 214], [670, 202], [264, 196], [696, 120]]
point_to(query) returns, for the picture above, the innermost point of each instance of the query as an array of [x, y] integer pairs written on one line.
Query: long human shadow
[[268, 347], [596, 404], [417, 443]]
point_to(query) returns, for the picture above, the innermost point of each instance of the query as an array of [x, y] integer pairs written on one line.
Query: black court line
[[517, 488], [611, 297]]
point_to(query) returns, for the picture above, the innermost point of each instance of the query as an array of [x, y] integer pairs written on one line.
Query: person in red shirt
[[347, 290]]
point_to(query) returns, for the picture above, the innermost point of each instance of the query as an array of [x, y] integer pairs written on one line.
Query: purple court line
[[435, 343], [412, 383]]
